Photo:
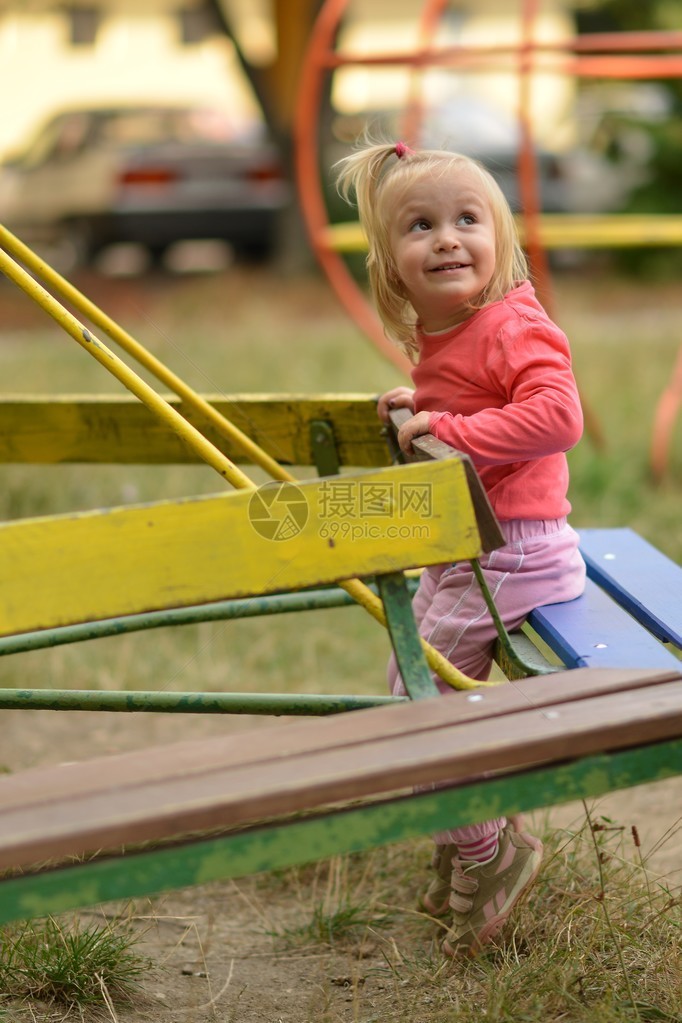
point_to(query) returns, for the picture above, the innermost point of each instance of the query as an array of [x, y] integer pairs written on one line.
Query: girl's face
[[443, 245]]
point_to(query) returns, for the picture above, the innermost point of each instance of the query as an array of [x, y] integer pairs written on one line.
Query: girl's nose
[[446, 239]]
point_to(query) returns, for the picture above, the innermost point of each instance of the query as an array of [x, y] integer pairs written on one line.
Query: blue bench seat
[[632, 605], [638, 576]]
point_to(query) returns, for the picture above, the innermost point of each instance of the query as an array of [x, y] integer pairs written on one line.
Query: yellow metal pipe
[[198, 443], [146, 394], [138, 352]]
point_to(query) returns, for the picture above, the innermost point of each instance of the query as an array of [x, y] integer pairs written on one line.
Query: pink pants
[[539, 564]]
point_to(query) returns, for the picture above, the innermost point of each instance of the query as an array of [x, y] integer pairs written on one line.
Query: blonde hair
[[381, 170]]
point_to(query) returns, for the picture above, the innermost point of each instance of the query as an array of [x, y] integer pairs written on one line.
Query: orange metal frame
[[625, 55]]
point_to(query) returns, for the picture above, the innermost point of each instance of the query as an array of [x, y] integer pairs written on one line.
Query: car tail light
[[264, 172], [148, 176]]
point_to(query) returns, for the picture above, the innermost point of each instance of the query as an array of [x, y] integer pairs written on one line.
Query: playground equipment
[[188, 813], [573, 733], [258, 801], [187, 433], [622, 55], [232, 806]]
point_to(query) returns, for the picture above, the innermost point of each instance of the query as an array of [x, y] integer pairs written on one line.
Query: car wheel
[[255, 250], [73, 247]]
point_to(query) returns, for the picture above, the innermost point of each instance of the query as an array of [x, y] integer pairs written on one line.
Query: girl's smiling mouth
[[448, 266]]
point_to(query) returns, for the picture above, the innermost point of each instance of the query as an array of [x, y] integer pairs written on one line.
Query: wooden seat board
[[639, 577], [594, 631], [331, 831], [39, 786], [141, 811]]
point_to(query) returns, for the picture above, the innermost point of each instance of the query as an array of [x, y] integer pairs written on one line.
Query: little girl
[[493, 379]]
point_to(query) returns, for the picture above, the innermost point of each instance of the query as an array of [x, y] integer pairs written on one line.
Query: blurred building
[[55, 54]]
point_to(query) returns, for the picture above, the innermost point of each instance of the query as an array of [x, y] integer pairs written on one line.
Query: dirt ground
[[215, 957]]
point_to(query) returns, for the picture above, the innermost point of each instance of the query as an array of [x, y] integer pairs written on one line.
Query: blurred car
[[153, 175]]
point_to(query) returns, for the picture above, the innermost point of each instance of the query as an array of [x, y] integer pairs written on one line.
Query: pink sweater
[[505, 394]]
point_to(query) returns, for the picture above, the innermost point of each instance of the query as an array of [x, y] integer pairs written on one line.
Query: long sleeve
[[541, 414], [500, 388]]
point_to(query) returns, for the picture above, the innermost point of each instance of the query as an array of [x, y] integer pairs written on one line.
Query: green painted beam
[[221, 610], [405, 641], [323, 447], [276, 845], [149, 701]]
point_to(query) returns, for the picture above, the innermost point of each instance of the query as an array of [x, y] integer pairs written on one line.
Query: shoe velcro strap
[[461, 883], [460, 905]]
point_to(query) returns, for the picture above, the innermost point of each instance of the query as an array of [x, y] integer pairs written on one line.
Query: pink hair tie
[[402, 150]]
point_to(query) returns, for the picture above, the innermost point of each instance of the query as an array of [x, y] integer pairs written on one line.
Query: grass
[[599, 938], [67, 964], [344, 908]]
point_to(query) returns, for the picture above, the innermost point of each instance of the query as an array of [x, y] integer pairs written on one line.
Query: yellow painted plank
[[51, 429], [557, 231], [65, 569]]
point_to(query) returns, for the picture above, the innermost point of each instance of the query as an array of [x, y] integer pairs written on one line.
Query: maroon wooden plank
[[241, 793], [42, 785]]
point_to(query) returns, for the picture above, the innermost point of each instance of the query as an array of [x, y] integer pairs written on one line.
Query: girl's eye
[[467, 218], [420, 225]]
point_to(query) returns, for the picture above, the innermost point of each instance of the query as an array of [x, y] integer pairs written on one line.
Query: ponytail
[[360, 180]]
